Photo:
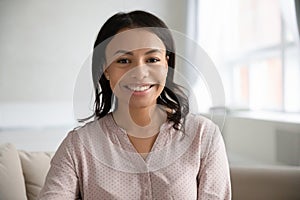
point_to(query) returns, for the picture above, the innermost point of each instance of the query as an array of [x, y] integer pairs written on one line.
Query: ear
[[167, 61], [106, 74]]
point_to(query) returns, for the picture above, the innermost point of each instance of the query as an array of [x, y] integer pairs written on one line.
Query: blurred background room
[[254, 45]]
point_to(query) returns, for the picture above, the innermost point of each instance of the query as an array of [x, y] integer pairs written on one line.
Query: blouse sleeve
[[62, 181], [214, 177]]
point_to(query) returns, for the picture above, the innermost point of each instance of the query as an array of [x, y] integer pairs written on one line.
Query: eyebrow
[[123, 52], [130, 52], [153, 51]]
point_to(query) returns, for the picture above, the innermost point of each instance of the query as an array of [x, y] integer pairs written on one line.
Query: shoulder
[[198, 118], [74, 137], [85, 128], [77, 141], [204, 130], [199, 122], [94, 125]]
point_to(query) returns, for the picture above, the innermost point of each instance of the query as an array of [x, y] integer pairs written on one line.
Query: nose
[[140, 72]]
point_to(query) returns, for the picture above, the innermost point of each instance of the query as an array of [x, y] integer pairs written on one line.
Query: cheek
[[165, 73], [112, 77], [114, 80], [112, 84], [161, 74], [117, 76]]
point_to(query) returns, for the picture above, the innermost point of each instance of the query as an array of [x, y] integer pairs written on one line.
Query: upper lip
[[139, 87], [138, 84]]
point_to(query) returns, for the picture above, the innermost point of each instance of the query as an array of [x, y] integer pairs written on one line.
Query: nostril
[[139, 73]]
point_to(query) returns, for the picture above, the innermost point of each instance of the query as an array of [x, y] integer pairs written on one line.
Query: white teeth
[[139, 88]]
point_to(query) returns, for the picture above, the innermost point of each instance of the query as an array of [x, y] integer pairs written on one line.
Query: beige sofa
[[22, 175], [265, 182]]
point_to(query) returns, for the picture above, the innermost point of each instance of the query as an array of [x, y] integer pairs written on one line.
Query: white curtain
[[192, 18], [209, 86]]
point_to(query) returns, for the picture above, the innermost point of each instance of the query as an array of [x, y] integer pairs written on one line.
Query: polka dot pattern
[[201, 172]]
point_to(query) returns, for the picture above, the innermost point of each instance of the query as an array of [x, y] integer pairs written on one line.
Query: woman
[[142, 143]]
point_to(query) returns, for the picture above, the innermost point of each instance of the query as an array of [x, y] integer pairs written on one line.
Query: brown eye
[[153, 60], [123, 61]]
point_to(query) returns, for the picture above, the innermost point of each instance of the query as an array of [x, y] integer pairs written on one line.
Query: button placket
[[146, 186]]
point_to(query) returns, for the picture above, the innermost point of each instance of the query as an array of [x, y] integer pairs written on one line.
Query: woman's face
[[136, 66]]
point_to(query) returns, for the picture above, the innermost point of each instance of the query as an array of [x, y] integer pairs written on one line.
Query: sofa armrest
[[11, 178]]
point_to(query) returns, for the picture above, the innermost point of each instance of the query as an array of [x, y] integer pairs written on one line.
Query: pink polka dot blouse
[[98, 161]]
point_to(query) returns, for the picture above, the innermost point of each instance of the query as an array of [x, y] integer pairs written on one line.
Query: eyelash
[[126, 61], [153, 60], [123, 61]]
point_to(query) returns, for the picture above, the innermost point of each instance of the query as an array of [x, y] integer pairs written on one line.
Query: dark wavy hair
[[172, 95]]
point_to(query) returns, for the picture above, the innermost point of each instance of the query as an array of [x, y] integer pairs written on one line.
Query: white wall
[[44, 43], [264, 140], [43, 46]]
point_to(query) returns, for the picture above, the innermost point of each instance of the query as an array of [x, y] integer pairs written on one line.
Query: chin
[[141, 103]]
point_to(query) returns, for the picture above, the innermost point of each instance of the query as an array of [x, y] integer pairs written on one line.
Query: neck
[[140, 120], [138, 116]]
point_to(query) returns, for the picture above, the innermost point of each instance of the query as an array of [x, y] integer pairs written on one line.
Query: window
[[256, 49]]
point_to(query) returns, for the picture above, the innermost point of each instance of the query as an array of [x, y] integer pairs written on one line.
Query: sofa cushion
[[265, 182], [35, 168], [11, 177]]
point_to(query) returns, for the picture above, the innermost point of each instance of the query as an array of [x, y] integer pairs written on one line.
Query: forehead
[[134, 39]]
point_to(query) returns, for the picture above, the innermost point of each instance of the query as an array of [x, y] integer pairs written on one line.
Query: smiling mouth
[[138, 88]]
